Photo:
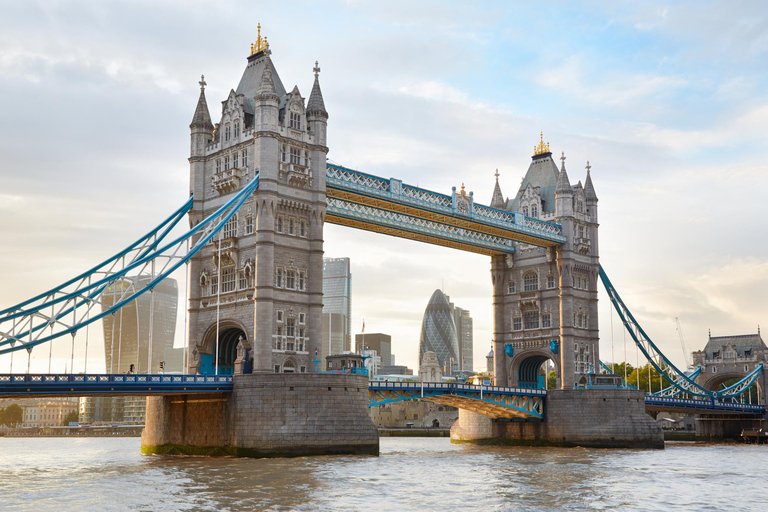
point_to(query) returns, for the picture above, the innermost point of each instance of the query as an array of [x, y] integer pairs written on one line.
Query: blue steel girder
[[701, 406], [458, 210], [49, 385], [494, 402]]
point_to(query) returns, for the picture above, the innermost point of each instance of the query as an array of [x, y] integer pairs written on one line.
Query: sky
[[667, 100]]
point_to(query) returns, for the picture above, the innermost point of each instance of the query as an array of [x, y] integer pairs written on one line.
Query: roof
[[315, 103], [497, 200], [251, 79], [739, 342], [202, 117], [541, 173]]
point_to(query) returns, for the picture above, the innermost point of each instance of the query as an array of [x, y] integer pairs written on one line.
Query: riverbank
[[414, 432]]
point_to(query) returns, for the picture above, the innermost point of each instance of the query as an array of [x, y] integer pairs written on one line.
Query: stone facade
[[266, 416], [545, 299], [262, 276], [605, 418], [419, 413]]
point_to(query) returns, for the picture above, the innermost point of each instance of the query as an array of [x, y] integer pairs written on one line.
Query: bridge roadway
[[492, 401]]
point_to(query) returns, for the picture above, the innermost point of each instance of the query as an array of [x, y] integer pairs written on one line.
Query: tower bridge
[[261, 191]]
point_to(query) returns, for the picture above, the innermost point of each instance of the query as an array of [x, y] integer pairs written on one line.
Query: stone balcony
[[529, 300], [227, 181], [582, 245], [295, 174]]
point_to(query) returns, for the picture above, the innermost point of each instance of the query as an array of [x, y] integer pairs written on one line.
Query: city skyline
[[670, 114]]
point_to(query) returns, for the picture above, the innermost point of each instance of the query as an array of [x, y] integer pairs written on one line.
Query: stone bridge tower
[[728, 358], [260, 282], [545, 300]]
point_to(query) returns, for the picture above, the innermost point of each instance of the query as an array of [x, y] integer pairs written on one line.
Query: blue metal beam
[[111, 384]]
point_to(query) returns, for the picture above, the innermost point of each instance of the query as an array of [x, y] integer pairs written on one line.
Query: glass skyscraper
[[438, 333], [337, 306]]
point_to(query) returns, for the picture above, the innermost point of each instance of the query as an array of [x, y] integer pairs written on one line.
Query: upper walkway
[[391, 207]]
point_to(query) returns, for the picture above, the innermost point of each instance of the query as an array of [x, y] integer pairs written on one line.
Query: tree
[[12, 415], [71, 418]]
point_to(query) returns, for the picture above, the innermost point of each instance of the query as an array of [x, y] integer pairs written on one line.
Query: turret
[[267, 101], [317, 116], [589, 195], [497, 200], [563, 193], [201, 127]]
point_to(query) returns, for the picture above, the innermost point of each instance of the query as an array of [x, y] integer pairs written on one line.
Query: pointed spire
[[315, 103], [266, 88], [202, 118], [497, 200], [589, 188], [563, 183]]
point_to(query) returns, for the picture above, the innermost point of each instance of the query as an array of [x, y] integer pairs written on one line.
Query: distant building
[[337, 306], [438, 333], [430, 369], [48, 412], [396, 370], [126, 333], [464, 336], [379, 342]]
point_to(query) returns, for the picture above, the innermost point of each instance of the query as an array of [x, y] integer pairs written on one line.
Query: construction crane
[[686, 351]]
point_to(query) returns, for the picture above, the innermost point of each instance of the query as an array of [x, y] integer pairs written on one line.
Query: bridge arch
[[528, 370], [230, 332]]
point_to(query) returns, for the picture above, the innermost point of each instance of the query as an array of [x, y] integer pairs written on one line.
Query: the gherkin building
[[438, 332]]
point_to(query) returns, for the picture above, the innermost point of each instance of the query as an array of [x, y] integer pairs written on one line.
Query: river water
[[107, 474]]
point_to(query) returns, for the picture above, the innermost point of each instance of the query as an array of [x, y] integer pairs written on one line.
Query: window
[[279, 224], [282, 153], [279, 278], [290, 329], [525, 211], [517, 323], [227, 132], [546, 321], [290, 279], [295, 156], [531, 320], [218, 165], [302, 282], [226, 163], [227, 280], [302, 318], [530, 282], [715, 354], [234, 160], [277, 368], [301, 332], [237, 129], [295, 122], [243, 278], [511, 288], [303, 369], [214, 285], [303, 228], [230, 228], [279, 318], [245, 158], [306, 158], [550, 281], [291, 223], [714, 369], [534, 211]]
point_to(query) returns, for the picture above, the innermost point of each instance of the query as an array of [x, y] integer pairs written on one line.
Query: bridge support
[[601, 418], [266, 415]]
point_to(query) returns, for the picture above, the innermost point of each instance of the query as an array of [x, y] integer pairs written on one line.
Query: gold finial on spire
[[261, 42], [541, 148]]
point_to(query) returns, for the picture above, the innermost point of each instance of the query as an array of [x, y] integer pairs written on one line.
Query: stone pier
[[600, 418], [266, 415]]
